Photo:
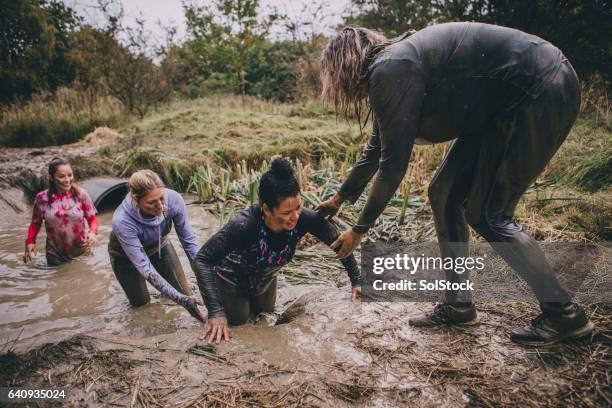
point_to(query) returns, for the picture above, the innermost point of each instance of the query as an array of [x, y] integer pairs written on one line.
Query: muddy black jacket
[[441, 83], [238, 239]]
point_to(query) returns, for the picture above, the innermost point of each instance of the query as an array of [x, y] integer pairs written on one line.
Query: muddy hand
[[217, 329], [356, 293], [194, 310], [347, 242], [30, 250], [327, 209], [92, 240]]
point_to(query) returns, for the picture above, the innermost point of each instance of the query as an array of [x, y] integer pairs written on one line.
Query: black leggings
[[484, 175], [238, 307], [135, 286]]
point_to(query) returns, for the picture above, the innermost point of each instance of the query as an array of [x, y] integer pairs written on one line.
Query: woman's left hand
[[356, 293], [92, 239], [347, 242]]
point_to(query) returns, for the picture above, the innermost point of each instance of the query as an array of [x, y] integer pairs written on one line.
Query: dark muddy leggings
[[484, 175], [239, 307], [134, 285]]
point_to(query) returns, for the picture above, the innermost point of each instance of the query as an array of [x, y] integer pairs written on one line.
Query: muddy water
[[40, 304]]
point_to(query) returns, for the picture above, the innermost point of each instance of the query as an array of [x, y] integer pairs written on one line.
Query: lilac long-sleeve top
[[137, 237]]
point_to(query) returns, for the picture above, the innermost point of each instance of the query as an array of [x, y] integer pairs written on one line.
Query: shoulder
[[172, 196], [174, 202], [83, 194], [246, 221], [42, 197]]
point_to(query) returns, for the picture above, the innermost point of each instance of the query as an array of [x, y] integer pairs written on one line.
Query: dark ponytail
[[55, 163], [278, 183]]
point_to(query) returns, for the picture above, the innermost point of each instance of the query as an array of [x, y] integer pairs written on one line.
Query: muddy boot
[[446, 314], [555, 324]]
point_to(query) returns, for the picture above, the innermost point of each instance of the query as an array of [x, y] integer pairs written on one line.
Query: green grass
[[217, 148], [219, 129]]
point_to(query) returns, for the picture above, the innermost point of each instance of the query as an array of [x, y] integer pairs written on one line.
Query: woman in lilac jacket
[[140, 249]]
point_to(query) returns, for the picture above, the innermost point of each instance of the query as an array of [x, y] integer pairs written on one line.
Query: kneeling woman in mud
[[237, 267], [139, 245], [69, 216]]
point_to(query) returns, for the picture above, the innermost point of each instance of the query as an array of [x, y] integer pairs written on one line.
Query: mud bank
[[25, 168]]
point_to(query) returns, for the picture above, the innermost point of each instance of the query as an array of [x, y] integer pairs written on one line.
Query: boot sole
[[571, 335]]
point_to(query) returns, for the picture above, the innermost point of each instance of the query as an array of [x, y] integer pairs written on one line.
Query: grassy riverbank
[[216, 147]]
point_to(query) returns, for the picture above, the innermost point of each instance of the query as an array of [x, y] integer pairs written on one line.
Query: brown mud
[[326, 350]]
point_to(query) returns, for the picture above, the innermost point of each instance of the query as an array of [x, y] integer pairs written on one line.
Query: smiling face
[[285, 216], [63, 178], [152, 204]]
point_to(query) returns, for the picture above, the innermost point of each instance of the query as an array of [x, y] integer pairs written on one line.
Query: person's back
[[465, 64]]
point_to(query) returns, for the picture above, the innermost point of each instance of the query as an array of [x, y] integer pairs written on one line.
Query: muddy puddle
[[39, 304], [328, 350]]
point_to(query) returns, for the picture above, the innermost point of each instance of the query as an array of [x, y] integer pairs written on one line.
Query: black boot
[[446, 314], [555, 324]]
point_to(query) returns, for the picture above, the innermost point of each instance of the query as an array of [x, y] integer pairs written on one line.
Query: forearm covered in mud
[[211, 253], [363, 170], [327, 233]]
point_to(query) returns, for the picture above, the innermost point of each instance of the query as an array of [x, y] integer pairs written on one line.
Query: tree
[[129, 72], [35, 36], [581, 29], [223, 38]]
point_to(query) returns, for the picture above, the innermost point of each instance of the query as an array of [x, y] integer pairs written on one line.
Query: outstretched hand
[[356, 293], [217, 328], [347, 242], [327, 209]]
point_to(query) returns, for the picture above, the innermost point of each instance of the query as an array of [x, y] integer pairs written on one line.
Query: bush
[[57, 119]]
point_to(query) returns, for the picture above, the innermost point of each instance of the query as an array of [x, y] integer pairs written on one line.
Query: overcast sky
[[170, 13]]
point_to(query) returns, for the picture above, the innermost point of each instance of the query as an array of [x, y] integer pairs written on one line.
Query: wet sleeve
[[89, 211], [133, 249], [396, 89], [363, 171], [183, 227], [214, 250], [36, 223], [327, 233]]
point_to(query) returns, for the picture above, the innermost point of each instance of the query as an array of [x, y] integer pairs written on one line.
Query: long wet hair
[[52, 169], [278, 183], [343, 65]]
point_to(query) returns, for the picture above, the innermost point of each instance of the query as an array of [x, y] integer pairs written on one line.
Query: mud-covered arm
[[327, 233], [214, 250], [396, 89], [363, 170]]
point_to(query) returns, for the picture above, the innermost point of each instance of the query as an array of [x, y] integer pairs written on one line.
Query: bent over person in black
[[507, 99]]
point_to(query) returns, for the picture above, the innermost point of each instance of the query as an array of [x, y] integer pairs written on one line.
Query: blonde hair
[[343, 65], [143, 182]]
